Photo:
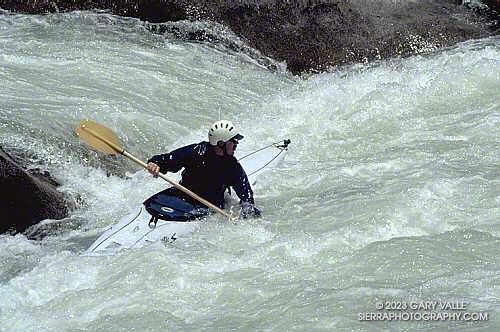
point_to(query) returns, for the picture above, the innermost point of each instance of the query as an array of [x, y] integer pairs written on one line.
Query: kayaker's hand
[[153, 169], [249, 210]]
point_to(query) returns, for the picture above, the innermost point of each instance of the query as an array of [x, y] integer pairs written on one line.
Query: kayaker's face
[[231, 146]]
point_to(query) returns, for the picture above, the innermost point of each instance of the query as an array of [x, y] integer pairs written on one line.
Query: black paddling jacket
[[206, 173]]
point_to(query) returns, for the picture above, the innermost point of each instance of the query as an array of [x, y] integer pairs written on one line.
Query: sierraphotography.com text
[[422, 311]]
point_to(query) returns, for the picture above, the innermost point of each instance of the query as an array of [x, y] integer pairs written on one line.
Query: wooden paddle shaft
[[178, 186]]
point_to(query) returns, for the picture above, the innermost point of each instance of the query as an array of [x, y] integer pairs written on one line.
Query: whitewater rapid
[[390, 191]]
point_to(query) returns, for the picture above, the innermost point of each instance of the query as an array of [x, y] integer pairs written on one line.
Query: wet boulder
[[27, 197]]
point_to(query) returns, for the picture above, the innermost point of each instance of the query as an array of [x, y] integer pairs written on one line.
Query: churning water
[[390, 191]]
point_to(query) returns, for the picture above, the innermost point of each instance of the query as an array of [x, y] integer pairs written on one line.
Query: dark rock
[[26, 199], [489, 9], [314, 35], [310, 35]]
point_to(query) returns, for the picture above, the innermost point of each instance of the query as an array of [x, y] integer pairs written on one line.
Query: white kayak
[[175, 218]]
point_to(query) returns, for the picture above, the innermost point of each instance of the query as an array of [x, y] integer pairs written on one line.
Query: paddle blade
[[99, 137]]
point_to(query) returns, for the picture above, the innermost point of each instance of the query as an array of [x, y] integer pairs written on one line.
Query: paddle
[[105, 140]]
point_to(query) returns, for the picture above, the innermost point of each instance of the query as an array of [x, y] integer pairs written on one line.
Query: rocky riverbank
[[311, 35]]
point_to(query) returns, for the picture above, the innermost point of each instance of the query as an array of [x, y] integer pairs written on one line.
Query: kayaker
[[210, 168]]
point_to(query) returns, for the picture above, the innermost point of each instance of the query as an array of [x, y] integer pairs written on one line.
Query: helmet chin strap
[[222, 145], [225, 150]]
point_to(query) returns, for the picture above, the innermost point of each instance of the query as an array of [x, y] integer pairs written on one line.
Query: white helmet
[[222, 131]]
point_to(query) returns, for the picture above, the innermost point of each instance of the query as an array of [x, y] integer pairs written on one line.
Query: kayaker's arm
[[172, 161], [243, 190]]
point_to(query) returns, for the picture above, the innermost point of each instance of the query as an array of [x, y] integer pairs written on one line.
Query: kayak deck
[[135, 230]]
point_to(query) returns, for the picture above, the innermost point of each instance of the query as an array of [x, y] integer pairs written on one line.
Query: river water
[[390, 191]]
